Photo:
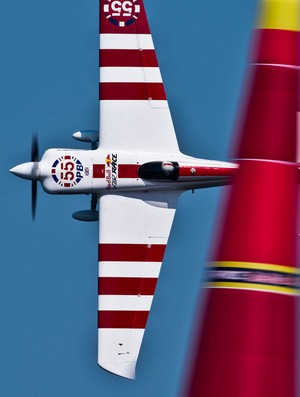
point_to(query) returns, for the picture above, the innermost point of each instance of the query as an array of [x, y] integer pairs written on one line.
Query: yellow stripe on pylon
[[254, 287], [256, 266], [254, 276], [279, 14]]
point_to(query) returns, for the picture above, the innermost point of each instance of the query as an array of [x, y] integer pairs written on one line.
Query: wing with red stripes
[[134, 231], [134, 112]]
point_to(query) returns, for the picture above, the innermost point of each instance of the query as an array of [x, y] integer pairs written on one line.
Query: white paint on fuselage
[[89, 184]]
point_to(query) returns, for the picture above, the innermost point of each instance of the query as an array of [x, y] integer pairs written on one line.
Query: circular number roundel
[[67, 171], [121, 12]]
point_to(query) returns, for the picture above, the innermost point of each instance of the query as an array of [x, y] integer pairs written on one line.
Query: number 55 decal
[[67, 171]]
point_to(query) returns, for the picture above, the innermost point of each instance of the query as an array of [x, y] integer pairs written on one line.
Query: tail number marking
[[121, 13]]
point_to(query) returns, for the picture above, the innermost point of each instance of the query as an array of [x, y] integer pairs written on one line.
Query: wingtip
[[124, 369]]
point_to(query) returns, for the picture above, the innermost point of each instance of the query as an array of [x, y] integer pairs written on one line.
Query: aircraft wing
[[134, 112], [134, 230]]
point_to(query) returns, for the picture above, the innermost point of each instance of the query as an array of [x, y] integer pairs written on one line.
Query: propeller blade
[[35, 148], [35, 159], [33, 199]]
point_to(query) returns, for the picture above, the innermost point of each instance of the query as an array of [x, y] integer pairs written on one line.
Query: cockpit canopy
[[159, 170]]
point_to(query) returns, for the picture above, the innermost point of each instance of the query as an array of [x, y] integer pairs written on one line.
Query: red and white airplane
[[135, 175]]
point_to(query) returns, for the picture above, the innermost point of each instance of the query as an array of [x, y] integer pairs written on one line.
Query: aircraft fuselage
[[103, 171]]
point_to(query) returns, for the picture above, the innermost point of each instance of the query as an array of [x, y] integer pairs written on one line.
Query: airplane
[[134, 172]]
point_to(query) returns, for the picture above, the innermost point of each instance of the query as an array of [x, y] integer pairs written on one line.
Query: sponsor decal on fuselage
[[67, 171], [111, 171]]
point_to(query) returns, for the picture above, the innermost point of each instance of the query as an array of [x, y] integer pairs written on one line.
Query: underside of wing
[[134, 112], [133, 234]]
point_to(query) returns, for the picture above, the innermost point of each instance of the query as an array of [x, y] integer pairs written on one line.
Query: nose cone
[[27, 171]]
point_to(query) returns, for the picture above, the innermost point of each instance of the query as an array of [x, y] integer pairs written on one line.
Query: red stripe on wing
[[126, 285], [131, 252], [128, 58], [122, 319], [132, 91]]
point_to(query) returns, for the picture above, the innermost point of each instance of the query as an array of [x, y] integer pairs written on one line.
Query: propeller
[[35, 160], [30, 171]]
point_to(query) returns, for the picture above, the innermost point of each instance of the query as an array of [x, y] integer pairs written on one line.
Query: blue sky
[[48, 269]]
